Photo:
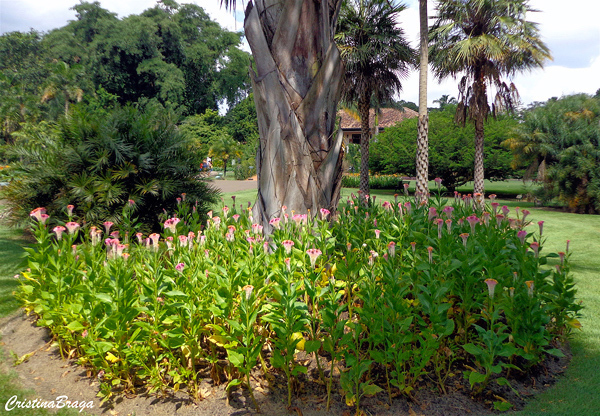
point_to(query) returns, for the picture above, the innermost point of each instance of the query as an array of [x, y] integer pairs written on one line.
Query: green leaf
[[312, 346], [233, 383], [473, 349], [370, 389], [476, 377], [299, 369], [502, 406], [75, 326], [235, 358]]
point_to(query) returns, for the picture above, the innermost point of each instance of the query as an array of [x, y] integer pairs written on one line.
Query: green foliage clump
[[451, 149], [559, 144], [99, 163], [398, 297]]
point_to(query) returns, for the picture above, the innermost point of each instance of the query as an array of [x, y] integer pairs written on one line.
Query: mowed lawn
[[576, 392]]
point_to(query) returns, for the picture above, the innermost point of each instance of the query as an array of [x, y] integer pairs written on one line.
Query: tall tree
[[296, 86], [423, 126], [485, 40], [376, 55]]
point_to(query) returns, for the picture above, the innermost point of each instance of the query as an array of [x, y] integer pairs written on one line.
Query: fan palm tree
[[296, 85], [484, 40], [376, 55]]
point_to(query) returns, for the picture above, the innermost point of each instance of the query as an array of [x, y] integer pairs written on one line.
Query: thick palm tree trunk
[[478, 174], [423, 126], [296, 82], [365, 138]]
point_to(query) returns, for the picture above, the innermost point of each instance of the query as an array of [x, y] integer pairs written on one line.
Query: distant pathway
[[233, 186]]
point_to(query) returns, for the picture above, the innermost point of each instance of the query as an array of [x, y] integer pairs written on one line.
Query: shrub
[[99, 164], [389, 293], [451, 149]]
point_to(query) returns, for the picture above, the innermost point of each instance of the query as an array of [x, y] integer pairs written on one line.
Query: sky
[[570, 29]]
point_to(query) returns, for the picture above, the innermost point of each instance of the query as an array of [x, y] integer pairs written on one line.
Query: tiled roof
[[387, 117]]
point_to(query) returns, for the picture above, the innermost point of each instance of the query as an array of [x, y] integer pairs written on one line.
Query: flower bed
[[386, 299]]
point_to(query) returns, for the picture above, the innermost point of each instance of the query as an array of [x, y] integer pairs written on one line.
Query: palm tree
[[65, 79], [445, 100], [376, 55], [224, 148], [484, 40], [296, 85], [422, 163]]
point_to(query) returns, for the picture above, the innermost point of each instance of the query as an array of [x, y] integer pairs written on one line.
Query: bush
[[451, 149], [352, 180], [395, 296], [99, 164]]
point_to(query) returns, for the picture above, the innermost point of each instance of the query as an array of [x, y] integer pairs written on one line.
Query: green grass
[[11, 253], [576, 392]]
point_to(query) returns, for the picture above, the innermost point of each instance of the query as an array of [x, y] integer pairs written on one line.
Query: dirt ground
[[234, 186], [48, 376]]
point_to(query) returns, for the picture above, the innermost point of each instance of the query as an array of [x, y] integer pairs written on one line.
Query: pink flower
[[408, 207], [171, 224], [491, 284], [236, 217], [377, 232], [525, 214], [392, 248], [209, 214], [37, 214], [216, 221], [438, 181], [179, 267], [505, 210], [486, 218], [70, 210], [449, 226], [492, 197], [275, 222], [499, 219], [430, 251], [183, 240], [114, 234], [154, 237], [522, 234], [248, 291], [178, 200], [432, 213], [387, 205], [183, 196], [230, 237], [324, 213], [472, 220], [139, 237], [541, 225], [225, 211], [535, 246], [72, 227], [314, 254], [287, 263], [561, 254], [257, 228], [59, 229], [413, 245], [448, 211], [439, 222], [530, 287], [465, 237], [107, 225], [495, 206], [406, 185]]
